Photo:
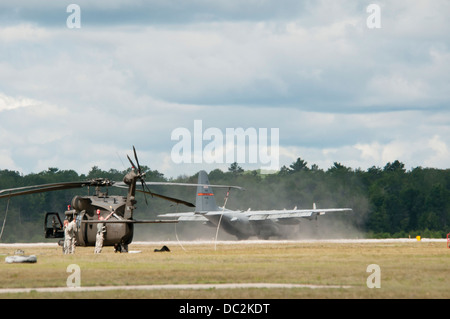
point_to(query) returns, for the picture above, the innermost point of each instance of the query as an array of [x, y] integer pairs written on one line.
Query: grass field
[[409, 269]]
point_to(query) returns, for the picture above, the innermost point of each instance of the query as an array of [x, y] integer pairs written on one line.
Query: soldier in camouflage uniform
[[72, 228], [101, 230], [67, 238]]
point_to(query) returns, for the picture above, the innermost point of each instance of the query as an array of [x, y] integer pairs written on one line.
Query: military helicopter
[[86, 210]]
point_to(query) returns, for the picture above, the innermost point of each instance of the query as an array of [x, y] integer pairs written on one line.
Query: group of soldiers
[[70, 229], [70, 238]]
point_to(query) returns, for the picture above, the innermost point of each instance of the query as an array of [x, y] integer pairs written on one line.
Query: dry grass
[[408, 270]]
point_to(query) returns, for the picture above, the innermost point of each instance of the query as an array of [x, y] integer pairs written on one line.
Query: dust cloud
[[329, 226]]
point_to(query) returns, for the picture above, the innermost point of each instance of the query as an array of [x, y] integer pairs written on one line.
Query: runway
[[171, 287], [296, 241], [251, 242]]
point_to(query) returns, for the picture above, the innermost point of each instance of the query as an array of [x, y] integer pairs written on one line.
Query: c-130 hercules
[[86, 210], [244, 224]]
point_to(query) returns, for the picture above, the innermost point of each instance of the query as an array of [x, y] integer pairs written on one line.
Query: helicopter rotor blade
[[131, 162], [144, 186], [141, 175], [146, 189], [145, 197], [171, 199], [137, 161], [34, 189]]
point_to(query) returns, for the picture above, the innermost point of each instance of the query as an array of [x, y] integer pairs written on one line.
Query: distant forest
[[386, 202]]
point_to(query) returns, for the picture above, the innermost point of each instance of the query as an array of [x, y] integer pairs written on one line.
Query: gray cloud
[[155, 12], [135, 71]]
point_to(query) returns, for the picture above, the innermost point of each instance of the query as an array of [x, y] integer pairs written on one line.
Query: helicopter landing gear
[[121, 248]]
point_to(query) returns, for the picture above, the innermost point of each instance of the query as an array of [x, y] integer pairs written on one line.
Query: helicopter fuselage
[[85, 213], [87, 210]]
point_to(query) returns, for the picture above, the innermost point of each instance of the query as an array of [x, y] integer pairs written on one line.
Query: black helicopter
[[86, 210]]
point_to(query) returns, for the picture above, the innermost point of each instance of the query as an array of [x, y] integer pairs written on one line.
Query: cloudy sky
[[136, 71]]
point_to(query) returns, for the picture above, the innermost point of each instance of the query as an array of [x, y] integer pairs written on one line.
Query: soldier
[[67, 239], [101, 229], [72, 228]]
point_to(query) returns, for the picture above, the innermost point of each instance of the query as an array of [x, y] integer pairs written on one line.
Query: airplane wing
[[259, 215], [186, 217], [198, 184], [294, 213], [121, 184]]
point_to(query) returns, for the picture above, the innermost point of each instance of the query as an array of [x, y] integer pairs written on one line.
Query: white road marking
[[172, 287]]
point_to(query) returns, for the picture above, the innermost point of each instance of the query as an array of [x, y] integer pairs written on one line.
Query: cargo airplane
[[244, 224]]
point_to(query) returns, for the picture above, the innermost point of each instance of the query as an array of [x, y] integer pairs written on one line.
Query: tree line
[[387, 201]]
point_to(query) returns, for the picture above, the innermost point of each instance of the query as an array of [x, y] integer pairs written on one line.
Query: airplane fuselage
[[238, 224]]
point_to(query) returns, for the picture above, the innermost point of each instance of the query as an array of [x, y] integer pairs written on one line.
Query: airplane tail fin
[[205, 201]]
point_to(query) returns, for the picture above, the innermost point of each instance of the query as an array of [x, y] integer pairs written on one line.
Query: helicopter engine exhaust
[[80, 203]]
